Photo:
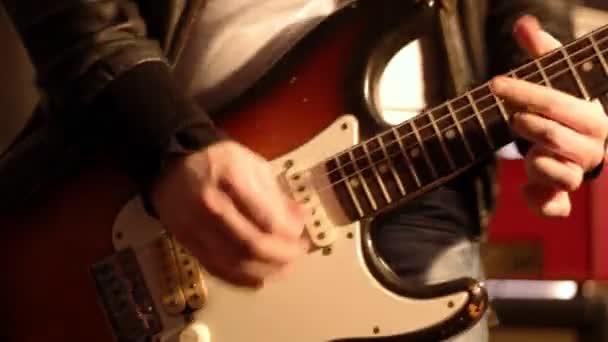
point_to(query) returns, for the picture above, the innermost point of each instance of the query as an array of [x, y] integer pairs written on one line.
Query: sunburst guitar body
[[89, 264]]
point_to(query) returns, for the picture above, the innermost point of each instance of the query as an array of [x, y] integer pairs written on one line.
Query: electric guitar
[[90, 265]]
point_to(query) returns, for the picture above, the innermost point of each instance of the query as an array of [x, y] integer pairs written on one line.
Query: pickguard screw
[[327, 251], [288, 163], [450, 304], [344, 126], [119, 235], [376, 330], [349, 235]]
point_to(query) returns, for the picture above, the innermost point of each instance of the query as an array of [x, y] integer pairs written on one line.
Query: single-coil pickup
[[320, 230]]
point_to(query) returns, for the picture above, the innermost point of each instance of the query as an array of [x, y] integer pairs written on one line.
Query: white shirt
[[236, 41]]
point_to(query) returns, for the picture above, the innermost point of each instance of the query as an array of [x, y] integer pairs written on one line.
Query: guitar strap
[[463, 77], [456, 54]]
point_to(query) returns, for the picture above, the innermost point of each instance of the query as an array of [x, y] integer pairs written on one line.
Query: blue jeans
[[423, 246]]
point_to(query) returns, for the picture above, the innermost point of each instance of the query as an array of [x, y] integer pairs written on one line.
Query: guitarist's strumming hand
[[567, 133], [225, 205]]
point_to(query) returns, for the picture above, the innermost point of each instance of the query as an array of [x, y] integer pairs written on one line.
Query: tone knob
[[195, 332]]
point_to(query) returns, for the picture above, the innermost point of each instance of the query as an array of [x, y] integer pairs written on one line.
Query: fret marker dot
[[354, 182], [383, 168], [415, 152], [450, 134], [588, 66]]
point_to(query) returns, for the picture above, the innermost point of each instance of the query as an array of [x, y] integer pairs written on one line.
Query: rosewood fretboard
[[437, 145]]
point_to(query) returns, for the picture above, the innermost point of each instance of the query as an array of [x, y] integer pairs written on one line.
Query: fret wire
[[543, 73], [501, 108], [575, 74], [366, 190], [401, 145], [349, 187], [480, 119], [461, 131], [392, 166], [600, 54], [441, 140], [512, 73], [377, 174], [425, 155], [407, 158]]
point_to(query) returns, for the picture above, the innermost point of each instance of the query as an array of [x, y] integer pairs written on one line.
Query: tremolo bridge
[[143, 299], [125, 297]]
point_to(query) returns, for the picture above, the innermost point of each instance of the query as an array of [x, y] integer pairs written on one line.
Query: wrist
[[177, 154]]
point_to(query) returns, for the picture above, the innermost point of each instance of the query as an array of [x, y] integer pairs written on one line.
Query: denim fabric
[[429, 241]]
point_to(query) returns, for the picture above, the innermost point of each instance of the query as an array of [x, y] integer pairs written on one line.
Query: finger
[[247, 273], [547, 201], [214, 249], [224, 259], [252, 240], [297, 210], [531, 37], [544, 168], [582, 116], [558, 139], [216, 261], [263, 203]]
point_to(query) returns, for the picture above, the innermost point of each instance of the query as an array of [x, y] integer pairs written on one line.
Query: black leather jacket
[[104, 69]]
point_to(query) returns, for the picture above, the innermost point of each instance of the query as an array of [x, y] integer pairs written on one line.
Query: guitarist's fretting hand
[[225, 206], [568, 134]]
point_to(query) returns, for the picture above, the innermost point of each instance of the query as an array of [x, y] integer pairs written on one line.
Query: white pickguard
[[326, 297]]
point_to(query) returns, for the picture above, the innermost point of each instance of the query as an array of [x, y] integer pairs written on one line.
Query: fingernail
[[498, 84], [527, 19], [534, 23]]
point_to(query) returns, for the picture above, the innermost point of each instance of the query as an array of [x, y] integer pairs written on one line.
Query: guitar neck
[[441, 143]]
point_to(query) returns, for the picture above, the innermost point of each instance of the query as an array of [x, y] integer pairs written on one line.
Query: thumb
[[531, 37]]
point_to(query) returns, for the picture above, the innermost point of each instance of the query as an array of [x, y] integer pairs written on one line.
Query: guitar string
[[469, 92], [469, 106], [447, 116], [388, 157]]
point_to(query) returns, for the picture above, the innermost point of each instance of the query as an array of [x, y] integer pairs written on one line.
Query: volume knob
[[195, 332]]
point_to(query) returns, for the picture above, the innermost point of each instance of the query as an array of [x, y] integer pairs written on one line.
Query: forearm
[[108, 82]]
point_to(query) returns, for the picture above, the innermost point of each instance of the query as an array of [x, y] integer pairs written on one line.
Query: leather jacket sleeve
[[108, 82]]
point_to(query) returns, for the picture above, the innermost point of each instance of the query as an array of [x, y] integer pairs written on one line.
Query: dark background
[[596, 3]]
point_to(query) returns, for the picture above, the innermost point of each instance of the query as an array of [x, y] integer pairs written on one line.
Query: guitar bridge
[[125, 298]]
